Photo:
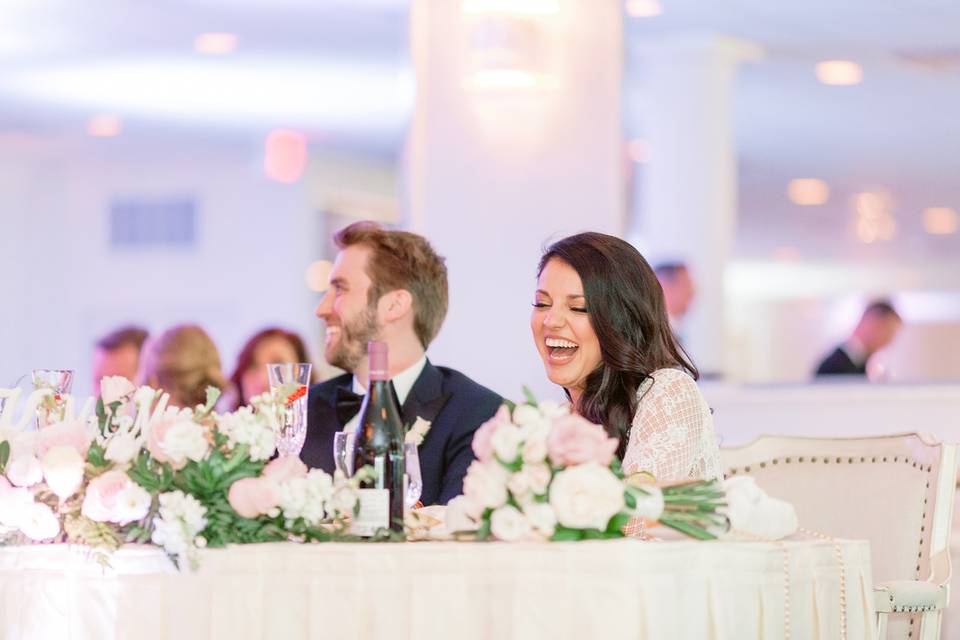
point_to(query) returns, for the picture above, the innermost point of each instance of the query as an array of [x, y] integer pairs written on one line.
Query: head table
[[617, 589]]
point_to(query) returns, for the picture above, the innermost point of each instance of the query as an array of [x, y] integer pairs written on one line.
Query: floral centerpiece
[[141, 471], [544, 473]]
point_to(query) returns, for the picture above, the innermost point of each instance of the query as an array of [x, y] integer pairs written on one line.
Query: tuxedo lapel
[[426, 398], [327, 393]]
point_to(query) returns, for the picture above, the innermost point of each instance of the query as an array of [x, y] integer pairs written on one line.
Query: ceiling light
[[104, 126], [215, 44], [285, 155], [940, 221], [643, 8], [839, 72], [808, 192]]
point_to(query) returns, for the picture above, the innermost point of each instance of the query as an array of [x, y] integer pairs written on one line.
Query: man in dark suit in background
[[877, 328], [391, 286]]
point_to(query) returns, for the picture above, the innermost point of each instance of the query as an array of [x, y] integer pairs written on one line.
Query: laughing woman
[[601, 328]]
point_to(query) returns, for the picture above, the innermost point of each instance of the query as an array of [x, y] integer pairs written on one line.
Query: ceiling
[[339, 69]]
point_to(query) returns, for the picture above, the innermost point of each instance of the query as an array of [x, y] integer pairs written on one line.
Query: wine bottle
[[379, 445]]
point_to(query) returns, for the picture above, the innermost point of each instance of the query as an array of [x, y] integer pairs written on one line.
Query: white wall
[[66, 286]]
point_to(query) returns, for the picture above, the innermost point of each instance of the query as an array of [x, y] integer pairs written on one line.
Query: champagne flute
[[414, 482], [290, 381], [53, 407], [343, 443]]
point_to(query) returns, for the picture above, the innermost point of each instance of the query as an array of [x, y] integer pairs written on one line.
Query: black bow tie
[[348, 405]]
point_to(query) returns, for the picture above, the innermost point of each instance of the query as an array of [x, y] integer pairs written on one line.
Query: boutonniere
[[418, 432]]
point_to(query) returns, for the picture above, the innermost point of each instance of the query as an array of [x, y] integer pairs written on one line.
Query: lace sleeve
[[672, 435]]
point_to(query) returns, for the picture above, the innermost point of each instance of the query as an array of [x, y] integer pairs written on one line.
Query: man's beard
[[351, 348]]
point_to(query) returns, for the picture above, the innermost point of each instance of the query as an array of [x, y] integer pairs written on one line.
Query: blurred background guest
[[877, 328], [183, 361], [270, 345], [118, 354], [678, 291]]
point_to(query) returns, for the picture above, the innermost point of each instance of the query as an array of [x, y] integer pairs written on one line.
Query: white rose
[[542, 517], [122, 448], [486, 484], [14, 504], [753, 512], [508, 524], [63, 469], [344, 499], [525, 414], [586, 496], [462, 514], [186, 440], [133, 503], [25, 471], [551, 409], [535, 446], [539, 476], [116, 389], [39, 522], [506, 443]]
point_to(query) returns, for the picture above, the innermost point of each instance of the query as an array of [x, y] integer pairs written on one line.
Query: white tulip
[[39, 522], [63, 470], [753, 512]]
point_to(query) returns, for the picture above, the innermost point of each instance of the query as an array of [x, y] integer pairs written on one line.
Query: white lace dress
[[672, 435]]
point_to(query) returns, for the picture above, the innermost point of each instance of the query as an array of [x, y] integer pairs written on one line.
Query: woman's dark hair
[[629, 315], [245, 359]]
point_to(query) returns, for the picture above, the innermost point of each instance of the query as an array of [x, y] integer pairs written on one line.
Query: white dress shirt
[[402, 383]]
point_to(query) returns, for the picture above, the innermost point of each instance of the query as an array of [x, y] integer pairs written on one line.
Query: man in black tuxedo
[[391, 286], [877, 328]]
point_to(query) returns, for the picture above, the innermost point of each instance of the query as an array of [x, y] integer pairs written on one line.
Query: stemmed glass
[[53, 407], [290, 380], [343, 443], [343, 452]]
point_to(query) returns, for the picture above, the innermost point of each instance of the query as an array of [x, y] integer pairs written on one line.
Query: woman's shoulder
[[667, 378]]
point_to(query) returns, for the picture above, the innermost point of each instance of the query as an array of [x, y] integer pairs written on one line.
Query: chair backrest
[[895, 491]]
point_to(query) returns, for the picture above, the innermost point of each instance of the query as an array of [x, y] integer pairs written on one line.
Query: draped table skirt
[[610, 589]]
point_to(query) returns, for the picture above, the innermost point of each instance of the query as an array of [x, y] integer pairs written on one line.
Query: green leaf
[[617, 523], [4, 453], [96, 455], [101, 417], [563, 534], [530, 397], [510, 405]]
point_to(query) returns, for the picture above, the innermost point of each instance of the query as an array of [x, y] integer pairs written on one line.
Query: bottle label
[[374, 512]]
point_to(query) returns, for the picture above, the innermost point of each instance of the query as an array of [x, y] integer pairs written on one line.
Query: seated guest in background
[[392, 286], [271, 345], [600, 325], [877, 328], [183, 361], [678, 291], [118, 354]]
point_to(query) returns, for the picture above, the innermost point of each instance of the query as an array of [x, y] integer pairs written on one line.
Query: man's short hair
[[129, 335], [669, 270], [881, 309], [403, 260]]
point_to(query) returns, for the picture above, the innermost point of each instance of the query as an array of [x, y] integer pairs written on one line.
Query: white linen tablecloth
[[611, 589]]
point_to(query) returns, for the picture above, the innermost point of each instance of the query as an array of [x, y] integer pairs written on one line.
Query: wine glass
[[412, 479], [53, 407], [343, 451], [290, 380]]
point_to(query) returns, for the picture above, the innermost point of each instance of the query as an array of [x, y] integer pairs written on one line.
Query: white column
[[687, 196], [515, 142]]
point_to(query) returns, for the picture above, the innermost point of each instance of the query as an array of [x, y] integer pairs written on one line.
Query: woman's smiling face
[[561, 327]]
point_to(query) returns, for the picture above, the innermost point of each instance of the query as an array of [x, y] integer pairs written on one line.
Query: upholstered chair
[[895, 491]]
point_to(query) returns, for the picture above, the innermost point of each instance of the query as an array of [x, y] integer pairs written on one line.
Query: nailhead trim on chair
[[873, 459]]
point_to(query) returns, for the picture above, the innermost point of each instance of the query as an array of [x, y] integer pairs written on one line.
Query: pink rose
[[574, 440], [285, 468], [483, 437], [72, 434], [101, 500], [252, 497]]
